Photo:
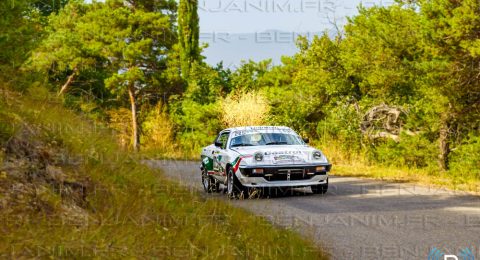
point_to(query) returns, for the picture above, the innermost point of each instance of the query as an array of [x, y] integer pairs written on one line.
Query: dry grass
[[131, 211], [120, 120], [245, 109], [158, 134], [355, 165]]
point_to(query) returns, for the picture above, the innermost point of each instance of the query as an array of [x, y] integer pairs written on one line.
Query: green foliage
[[380, 51], [316, 81], [65, 51], [197, 114], [188, 34], [206, 84], [341, 124], [48, 7], [466, 158], [452, 59], [250, 75], [128, 46], [422, 56], [197, 123], [19, 27], [411, 151], [136, 44], [294, 107]]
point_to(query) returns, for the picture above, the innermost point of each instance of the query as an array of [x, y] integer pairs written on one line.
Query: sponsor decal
[[284, 157], [283, 152], [208, 163], [206, 160], [263, 129], [236, 163]]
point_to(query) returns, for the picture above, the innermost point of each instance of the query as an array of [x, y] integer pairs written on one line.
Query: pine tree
[[130, 45]]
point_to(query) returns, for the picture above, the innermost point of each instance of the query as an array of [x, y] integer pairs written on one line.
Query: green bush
[[197, 124], [465, 159], [342, 124], [411, 151]]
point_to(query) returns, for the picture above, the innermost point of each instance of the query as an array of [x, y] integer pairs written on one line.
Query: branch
[[64, 88]]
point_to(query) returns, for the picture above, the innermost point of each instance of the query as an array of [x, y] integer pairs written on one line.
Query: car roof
[[258, 128]]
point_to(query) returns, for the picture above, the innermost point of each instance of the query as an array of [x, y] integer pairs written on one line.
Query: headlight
[[317, 155], [258, 157]]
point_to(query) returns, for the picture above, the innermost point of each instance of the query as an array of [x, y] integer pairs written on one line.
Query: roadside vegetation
[[82, 87], [394, 95], [395, 92], [68, 190]]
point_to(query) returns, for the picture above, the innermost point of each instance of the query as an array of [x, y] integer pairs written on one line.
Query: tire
[[209, 184], [320, 189], [234, 188]]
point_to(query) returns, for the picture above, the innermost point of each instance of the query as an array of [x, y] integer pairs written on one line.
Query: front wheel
[[234, 188], [320, 189], [209, 184]]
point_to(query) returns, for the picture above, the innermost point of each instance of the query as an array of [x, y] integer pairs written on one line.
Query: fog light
[[320, 168], [257, 171]]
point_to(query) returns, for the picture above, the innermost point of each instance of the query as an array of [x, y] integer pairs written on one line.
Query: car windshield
[[257, 139]]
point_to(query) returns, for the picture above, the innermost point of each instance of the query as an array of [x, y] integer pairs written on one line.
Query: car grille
[[283, 174]]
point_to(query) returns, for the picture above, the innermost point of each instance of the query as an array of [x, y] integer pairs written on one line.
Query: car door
[[220, 153]]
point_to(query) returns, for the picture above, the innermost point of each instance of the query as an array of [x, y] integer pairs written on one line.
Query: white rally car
[[262, 157]]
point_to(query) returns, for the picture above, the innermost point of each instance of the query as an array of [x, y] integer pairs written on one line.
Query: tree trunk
[[135, 134], [65, 86], [444, 142]]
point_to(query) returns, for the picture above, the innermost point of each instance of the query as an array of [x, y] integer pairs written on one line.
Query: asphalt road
[[362, 218]]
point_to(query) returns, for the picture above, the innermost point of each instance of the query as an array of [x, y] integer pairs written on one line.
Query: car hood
[[279, 154]]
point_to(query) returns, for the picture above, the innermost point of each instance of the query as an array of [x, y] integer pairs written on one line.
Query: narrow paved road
[[365, 219]]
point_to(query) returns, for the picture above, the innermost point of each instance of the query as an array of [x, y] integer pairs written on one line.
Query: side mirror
[[306, 140], [218, 144]]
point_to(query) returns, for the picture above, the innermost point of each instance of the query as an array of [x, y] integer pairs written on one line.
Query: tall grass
[[244, 109], [132, 210], [158, 134], [350, 163]]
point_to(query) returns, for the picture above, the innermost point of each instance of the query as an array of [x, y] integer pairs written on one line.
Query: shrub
[[120, 120], [465, 159], [244, 108], [196, 125], [342, 123], [158, 132], [300, 109], [411, 151]]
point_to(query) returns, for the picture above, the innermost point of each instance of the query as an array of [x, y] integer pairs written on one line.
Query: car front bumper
[[284, 175]]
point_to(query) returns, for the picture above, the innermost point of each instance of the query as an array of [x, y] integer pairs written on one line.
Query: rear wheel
[[209, 184], [320, 189], [234, 188]]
